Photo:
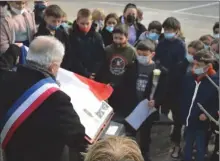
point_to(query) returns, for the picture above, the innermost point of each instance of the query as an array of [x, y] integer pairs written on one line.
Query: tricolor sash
[[24, 107]]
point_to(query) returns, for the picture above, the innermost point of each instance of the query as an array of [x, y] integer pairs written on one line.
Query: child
[[215, 49], [65, 23], [120, 56], [153, 33], [170, 52], [87, 49], [39, 8], [216, 30], [98, 17], [17, 24], [193, 47], [145, 68], [140, 15], [51, 25], [111, 21], [196, 88], [206, 39]]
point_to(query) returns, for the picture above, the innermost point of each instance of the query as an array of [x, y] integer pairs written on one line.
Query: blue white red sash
[[24, 107]]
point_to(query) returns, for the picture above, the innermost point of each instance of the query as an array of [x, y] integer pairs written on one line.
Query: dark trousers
[[195, 136], [145, 133], [215, 156], [176, 134]]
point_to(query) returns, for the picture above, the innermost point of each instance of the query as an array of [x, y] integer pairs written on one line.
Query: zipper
[[192, 102]]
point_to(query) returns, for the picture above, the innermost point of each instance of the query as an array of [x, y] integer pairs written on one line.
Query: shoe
[[176, 152]]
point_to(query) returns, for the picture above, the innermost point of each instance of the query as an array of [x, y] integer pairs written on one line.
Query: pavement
[[196, 17]]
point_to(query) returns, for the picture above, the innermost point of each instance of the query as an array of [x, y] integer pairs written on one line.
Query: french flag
[[88, 100]]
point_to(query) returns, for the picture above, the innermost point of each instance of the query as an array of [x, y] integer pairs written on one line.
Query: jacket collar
[[210, 72]]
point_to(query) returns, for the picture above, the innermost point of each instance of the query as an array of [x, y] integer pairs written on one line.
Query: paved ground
[[196, 17]]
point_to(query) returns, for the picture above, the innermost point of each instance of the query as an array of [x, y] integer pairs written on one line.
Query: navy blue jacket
[[194, 92], [169, 54]]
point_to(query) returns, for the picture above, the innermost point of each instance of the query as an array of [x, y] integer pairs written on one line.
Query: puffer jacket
[[10, 24]]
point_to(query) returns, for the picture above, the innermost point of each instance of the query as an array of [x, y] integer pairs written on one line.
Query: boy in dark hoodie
[[144, 76], [39, 8], [87, 48], [197, 88], [170, 52], [51, 25], [120, 58], [153, 33]]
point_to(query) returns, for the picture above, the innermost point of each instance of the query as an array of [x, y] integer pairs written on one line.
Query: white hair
[[45, 50]]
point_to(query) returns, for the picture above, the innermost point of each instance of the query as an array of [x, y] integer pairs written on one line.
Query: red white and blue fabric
[[24, 107]]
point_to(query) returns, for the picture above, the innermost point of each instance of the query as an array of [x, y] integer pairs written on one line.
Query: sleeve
[[71, 61], [156, 58], [182, 53], [101, 74], [69, 124], [9, 58], [213, 106], [142, 36], [142, 28], [149, 86], [4, 38], [100, 54]]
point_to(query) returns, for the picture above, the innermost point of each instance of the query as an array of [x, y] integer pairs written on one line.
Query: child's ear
[[153, 54]]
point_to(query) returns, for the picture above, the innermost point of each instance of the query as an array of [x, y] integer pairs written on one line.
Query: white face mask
[[189, 58], [199, 71], [17, 11], [144, 60], [216, 36]]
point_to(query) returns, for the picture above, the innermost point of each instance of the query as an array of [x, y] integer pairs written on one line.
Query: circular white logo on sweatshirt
[[117, 65]]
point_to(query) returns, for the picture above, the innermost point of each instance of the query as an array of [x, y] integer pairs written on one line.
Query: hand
[[151, 103], [92, 76], [109, 84], [19, 44], [202, 117]]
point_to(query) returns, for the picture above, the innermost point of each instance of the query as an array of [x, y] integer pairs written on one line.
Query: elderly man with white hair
[[37, 119]]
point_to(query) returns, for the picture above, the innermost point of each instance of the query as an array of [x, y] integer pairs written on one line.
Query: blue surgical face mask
[[189, 57], [169, 35], [109, 28], [40, 6], [65, 25], [144, 60], [216, 36], [53, 27], [199, 71], [206, 46], [217, 56], [153, 36]]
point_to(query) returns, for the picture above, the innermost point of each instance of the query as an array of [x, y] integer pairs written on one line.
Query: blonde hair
[[114, 148], [97, 14], [84, 13]]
